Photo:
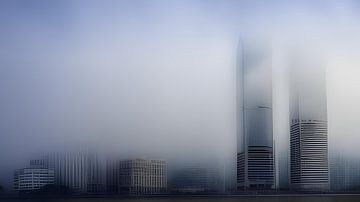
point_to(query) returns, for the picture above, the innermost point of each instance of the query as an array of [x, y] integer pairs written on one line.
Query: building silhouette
[[255, 157], [344, 173], [198, 179], [78, 171]]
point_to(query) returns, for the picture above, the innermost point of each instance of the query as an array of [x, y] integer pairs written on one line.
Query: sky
[[156, 78]]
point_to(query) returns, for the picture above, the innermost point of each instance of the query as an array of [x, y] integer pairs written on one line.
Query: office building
[[255, 157], [137, 177], [309, 169], [33, 178]]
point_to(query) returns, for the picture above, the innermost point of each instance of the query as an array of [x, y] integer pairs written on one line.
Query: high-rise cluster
[[308, 142]]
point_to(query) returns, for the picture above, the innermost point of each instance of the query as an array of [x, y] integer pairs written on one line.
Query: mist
[[157, 79]]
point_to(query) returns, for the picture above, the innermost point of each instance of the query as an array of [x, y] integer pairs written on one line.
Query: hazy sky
[[155, 78]]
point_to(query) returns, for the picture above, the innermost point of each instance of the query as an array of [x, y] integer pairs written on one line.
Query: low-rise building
[[137, 177], [33, 178]]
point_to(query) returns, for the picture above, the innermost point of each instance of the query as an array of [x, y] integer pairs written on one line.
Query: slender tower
[[255, 155], [309, 169]]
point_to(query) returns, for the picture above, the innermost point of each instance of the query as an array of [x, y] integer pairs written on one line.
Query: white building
[[33, 178]]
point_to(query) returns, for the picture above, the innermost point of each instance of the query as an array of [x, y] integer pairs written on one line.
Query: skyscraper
[[255, 156], [309, 168]]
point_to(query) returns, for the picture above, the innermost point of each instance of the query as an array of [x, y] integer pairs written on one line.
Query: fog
[[156, 79]]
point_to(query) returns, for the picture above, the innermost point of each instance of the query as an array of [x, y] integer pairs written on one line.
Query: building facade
[[33, 178], [309, 169], [255, 156], [137, 177]]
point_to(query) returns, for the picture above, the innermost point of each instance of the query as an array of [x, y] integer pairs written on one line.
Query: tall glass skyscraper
[[255, 156], [309, 169]]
